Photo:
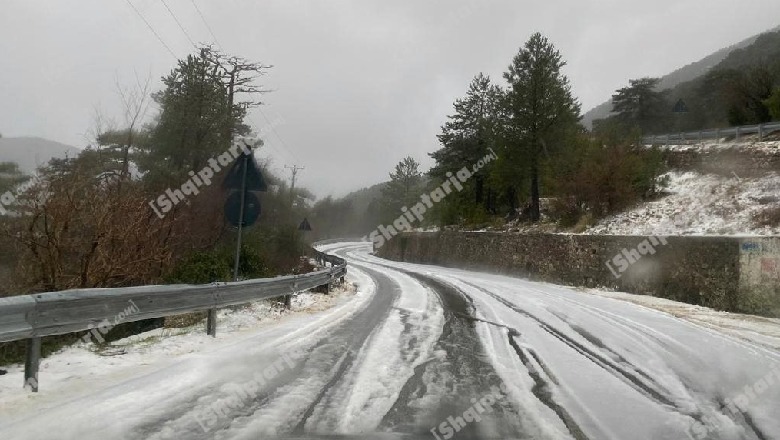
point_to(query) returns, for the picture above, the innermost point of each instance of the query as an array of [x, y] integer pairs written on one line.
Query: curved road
[[435, 353]]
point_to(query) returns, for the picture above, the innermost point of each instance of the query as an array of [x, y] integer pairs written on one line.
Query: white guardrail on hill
[[719, 133], [55, 313]]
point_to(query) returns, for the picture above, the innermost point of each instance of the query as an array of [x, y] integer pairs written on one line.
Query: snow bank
[[701, 204]]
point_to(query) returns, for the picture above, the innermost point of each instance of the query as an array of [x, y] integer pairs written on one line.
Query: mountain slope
[[679, 76], [32, 152]]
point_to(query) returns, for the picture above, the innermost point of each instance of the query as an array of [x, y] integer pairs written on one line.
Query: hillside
[[32, 152], [682, 75], [703, 204], [739, 196], [361, 199]]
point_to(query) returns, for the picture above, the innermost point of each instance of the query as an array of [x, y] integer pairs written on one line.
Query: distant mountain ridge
[[362, 198], [679, 76], [31, 152]]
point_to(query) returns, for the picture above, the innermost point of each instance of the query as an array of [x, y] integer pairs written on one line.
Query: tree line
[[549, 168]]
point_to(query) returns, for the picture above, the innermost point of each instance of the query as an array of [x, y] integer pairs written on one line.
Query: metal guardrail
[[761, 129], [55, 313]]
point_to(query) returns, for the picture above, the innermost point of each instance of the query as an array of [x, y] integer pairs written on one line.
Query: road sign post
[[244, 176], [241, 219]]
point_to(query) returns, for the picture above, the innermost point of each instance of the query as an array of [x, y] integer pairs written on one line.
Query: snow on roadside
[[700, 204], [127, 357], [750, 143], [754, 329]]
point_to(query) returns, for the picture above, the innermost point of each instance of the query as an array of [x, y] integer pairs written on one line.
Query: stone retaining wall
[[742, 160], [727, 273]]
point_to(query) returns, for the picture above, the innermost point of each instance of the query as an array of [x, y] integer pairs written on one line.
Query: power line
[[179, 24], [151, 29], [273, 128], [270, 124], [277, 150], [272, 143], [214, 37]]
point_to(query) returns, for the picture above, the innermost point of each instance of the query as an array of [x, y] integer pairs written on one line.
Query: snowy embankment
[[707, 204], [749, 143], [702, 204]]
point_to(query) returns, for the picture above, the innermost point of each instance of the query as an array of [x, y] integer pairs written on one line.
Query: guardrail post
[[31, 363], [717, 135], [211, 323], [760, 132], [737, 137]]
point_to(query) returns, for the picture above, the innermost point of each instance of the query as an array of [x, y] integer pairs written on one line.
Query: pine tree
[[194, 112], [773, 104], [540, 108], [642, 105], [466, 138], [403, 189]]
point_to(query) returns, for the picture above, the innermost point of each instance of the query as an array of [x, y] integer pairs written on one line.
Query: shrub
[[201, 268], [773, 105], [768, 217], [600, 180], [217, 265]]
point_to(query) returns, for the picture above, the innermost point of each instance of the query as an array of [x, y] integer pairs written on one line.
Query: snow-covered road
[[429, 352]]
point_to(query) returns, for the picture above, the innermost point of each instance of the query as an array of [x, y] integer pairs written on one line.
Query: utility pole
[[294, 173]]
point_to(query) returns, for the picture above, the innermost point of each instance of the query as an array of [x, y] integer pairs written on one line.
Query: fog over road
[[431, 352]]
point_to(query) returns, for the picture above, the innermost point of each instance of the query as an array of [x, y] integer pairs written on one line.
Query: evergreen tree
[[773, 105], [403, 189], [641, 105], [541, 110], [465, 139], [194, 113]]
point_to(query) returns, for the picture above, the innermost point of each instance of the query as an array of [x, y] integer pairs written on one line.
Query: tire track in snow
[[445, 386], [642, 381], [651, 389], [291, 406], [358, 401], [645, 342], [541, 388], [461, 308], [708, 408]]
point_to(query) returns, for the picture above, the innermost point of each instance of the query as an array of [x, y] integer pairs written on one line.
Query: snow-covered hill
[[704, 204]]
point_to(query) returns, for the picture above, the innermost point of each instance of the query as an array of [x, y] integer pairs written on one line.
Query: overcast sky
[[358, 84]]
